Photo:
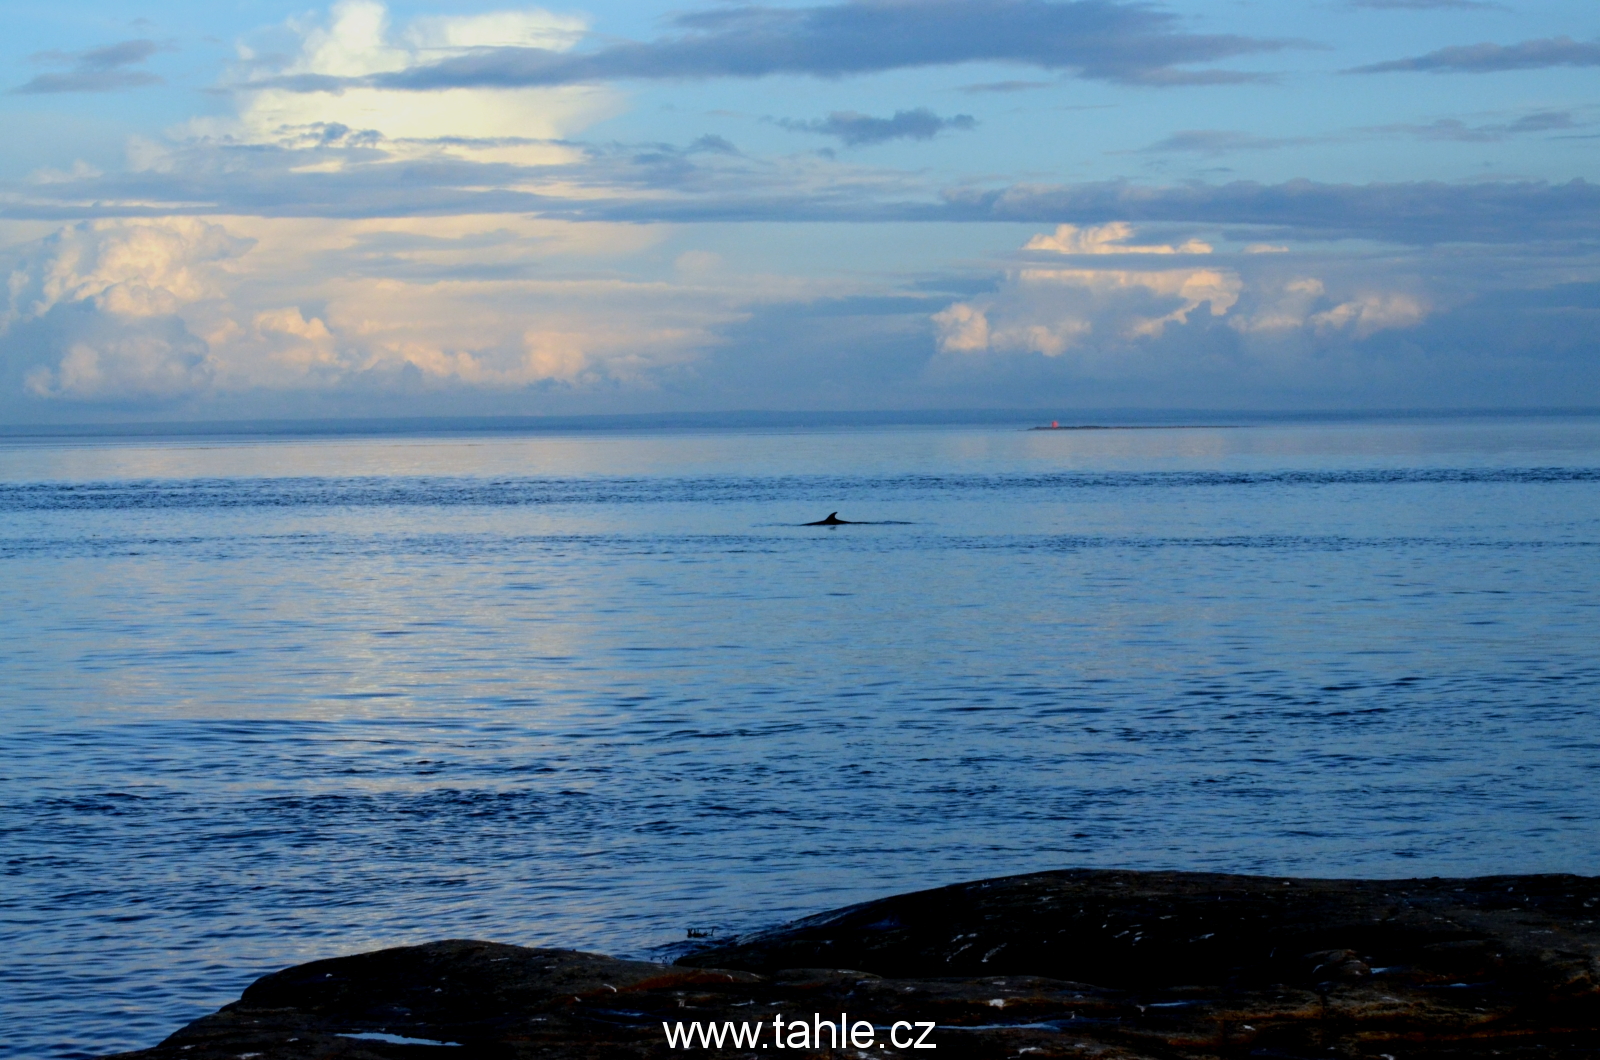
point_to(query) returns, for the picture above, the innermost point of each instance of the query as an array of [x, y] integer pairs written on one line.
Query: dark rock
[[1077, 963]]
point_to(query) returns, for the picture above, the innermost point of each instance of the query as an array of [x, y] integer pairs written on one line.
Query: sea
[[271, 698]]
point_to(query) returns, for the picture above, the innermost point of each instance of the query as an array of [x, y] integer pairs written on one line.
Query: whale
[[832, 520]]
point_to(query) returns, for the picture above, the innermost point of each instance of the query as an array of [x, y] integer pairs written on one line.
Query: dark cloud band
[[857, 129], [1417, 212], [709, 181], [1493, 58], [97, 70], [1109, 40]]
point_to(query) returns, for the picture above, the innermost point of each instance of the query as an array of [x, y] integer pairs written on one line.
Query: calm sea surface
[[266, 701]]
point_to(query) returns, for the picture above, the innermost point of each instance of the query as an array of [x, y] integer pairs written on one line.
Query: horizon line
[[747, 418]]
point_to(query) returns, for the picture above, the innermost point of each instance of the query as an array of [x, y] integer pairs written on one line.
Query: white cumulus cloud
[[1103, 314], [169, 308], [1302, 304], [962, 328], [95, 312], [1108, 239], [1371, 313], [135, 268], [1050, 310]]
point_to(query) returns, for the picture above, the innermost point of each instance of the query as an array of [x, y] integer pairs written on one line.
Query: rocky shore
[[1080, 963]]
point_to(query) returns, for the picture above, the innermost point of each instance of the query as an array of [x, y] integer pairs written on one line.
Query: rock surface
[[1076, 963]]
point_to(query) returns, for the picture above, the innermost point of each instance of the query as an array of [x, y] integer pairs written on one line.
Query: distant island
[[1081, 962], [1055, 425]]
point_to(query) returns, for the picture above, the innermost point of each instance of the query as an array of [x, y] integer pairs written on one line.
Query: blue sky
[[257, 209]]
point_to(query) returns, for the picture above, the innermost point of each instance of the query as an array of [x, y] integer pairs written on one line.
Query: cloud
[[358, 42], [1416, 212], [1214, 142], [95, 312], [1423, 5], [506, 313], [1453, 129], [130, 268], [1109, 40], [1219, 141], [335, 171], [1408, 329], [857, 129], [1107, 239], [330, 170], [1285, 309], [1006, 86], [963, 328], [162, 310], [711, 144], [1493, 58], [1371, 313], [1049, 310], [1166, 325], [1302, 303], [107, 362], [97, 70]]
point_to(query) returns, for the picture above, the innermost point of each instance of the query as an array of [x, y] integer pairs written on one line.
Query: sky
[[247, 209]]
